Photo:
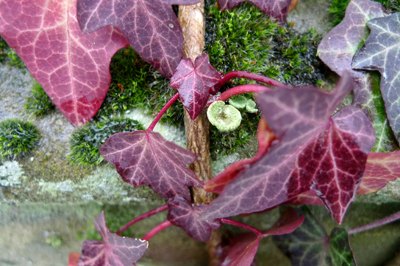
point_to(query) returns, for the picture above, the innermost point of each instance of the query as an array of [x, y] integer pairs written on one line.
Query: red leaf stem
[[163, 110], [375, 224], [249, 88], [242, 225], [247, 75], [156, 230], [142, 217]]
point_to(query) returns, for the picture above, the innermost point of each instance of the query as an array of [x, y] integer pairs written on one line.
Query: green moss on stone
[[39, 103], [86, 141], [9, 55], [136, 84], [338, 8], [17, 138], [246, 39]]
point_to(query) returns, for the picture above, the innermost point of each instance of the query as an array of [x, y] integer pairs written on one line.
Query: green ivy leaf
[[310, 245]]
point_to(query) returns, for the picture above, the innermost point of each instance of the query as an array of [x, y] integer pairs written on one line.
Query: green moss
[[39, 103], [136, 84], [9, 55], [246, 39], [17, 138], [338, 8], [86, 141]]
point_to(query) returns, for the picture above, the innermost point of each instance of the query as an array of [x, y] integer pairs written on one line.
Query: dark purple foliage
[[315, 150], [310, 245], [146, 158], [277, 9], [114, 251], [193, 81], [150, 26], [381, 51], [188, 216], [243, 247], [72, 67]]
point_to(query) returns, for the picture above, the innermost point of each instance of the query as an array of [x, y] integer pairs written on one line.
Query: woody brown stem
[[192, 21]]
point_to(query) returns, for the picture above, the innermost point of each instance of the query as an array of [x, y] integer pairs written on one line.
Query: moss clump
[[17, 138], [246, 39], [9, 55], [39, 103], [136, 84], [86, 141], [338, 8]]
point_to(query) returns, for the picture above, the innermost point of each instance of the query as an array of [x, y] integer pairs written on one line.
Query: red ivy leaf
[[72, 67], [146, 158], [277, 9], [380, 169], [114, 251], [150, 26], [193, 81], [243, 247], [317, 151], [181, 213], [265, 137], [241, 250]]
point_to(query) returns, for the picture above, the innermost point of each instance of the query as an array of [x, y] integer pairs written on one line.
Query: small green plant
[[39, 103], [17, 138], [86, 141]]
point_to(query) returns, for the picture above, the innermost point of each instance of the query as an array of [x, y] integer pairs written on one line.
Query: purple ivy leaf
[[381, 51], [315, 150], [380, 169], [150, 26], [193, 81], [146, 158], [277, 9], [114, 251], [310, 245], [187, 216], [72, 67], [337, 50], [243, 247]]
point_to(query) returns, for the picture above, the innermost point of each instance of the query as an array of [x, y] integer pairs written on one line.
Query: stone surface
[[311, 14]]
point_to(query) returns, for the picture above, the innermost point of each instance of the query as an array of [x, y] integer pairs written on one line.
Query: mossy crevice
[[17, 138], [8, 55], [39, 104], [85, 142]]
